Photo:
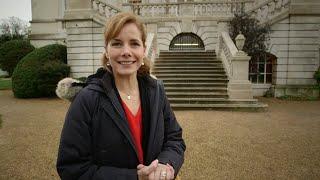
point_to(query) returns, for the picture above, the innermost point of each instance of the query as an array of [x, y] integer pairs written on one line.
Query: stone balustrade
[[215, 8], [239, 86], [226, 49], [104, 9], [269, 9]]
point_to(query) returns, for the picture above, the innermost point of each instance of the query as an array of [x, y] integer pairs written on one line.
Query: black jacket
[[96, 142]]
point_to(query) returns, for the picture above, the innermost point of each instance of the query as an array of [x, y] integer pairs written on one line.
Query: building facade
[[294, 43]]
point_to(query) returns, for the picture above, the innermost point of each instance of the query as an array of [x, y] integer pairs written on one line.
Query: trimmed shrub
[[317, 76], [11, 52], [37, 74]]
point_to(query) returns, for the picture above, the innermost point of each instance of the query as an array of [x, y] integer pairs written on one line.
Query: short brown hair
[[113, 28]]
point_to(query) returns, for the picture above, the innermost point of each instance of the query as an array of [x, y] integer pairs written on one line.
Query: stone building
[[194, 25]]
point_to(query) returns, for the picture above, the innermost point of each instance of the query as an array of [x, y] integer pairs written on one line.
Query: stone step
[[186, 57], [217, 65], [194, 84], [189, 71], [193, 80], [188, 68], [190, 75], [187, 61], [210, 101], [209, 53], [195, 89], [239, 107], [197, 94]]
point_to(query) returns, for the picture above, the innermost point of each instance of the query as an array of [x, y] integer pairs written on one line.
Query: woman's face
[[126, 51]]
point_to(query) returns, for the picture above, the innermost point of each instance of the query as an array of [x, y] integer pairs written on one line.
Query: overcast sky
[[17, 8]]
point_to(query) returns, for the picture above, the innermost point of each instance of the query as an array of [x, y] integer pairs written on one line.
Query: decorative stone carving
[[240, 39]]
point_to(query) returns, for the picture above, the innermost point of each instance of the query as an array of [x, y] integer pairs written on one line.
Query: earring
[[142, 63], [108, 64]]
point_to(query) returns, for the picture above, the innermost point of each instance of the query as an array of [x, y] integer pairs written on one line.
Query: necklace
[[128, 97]]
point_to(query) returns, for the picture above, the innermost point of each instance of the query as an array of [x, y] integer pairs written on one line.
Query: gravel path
[[281, 143]]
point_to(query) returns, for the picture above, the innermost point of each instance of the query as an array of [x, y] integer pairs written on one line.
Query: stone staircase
[[197, 80]]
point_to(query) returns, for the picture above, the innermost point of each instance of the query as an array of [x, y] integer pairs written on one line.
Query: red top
[[135, 125]]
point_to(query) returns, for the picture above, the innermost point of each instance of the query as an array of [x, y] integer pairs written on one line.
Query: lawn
[[5, 83]]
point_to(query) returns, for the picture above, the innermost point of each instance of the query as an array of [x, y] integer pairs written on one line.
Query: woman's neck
[[127, 84]]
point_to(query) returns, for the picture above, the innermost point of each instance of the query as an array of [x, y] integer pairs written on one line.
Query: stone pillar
[[46, 24], [239, 87], [84, 38]]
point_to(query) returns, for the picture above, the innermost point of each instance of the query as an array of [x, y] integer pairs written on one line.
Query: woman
[[121, 126]]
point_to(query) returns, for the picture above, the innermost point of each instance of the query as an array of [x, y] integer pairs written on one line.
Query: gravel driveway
[[281, 143]]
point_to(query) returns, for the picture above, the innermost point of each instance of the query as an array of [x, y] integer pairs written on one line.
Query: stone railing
[[216, 8], [226, 50], [269, 10], [239, 86], [104, 9], [151, 47]]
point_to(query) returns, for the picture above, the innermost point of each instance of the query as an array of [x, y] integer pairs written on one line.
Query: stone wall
[[85, 46], [46, 25], [295, 41]]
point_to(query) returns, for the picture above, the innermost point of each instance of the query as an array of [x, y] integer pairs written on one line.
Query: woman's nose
[[126, 51]]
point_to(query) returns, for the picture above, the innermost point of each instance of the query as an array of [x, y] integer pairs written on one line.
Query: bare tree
[[14, 27]]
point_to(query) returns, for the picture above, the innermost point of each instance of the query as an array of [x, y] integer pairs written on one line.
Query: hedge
[[37, 74]]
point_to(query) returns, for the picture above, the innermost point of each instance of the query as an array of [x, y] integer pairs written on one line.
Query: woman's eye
[[136, 44], [116, 44]]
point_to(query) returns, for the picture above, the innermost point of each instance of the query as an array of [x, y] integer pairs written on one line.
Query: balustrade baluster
[[153, 11], [97, 6], [271, 8], [195, 9], [94, 4], [149, 10], [101, 8], [278, 5], [225, 9], [285, 3], [106, 11]]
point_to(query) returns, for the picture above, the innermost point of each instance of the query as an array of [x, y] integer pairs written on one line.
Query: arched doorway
[[186, 41]]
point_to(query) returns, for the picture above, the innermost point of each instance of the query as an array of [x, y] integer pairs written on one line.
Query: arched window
[[261, 70], [186, 41]]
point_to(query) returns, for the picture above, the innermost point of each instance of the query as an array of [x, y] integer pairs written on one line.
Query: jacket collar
[[118, 114]]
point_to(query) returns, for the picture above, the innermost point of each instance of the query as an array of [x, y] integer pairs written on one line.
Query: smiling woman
[[121, 125]]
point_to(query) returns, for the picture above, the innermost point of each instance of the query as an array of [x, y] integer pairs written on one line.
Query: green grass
[[5, 83]]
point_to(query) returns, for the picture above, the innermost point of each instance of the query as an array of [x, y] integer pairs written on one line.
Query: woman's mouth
[[126, 62]]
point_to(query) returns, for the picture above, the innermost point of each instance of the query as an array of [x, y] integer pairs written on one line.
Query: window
[[186, 41], [260, 70]]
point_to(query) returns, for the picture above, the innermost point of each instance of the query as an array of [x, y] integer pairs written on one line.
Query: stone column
[[46, 25], [239, 87], [84, 37]]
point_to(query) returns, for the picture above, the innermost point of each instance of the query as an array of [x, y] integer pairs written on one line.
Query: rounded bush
[[38, 73], [11, 52]]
